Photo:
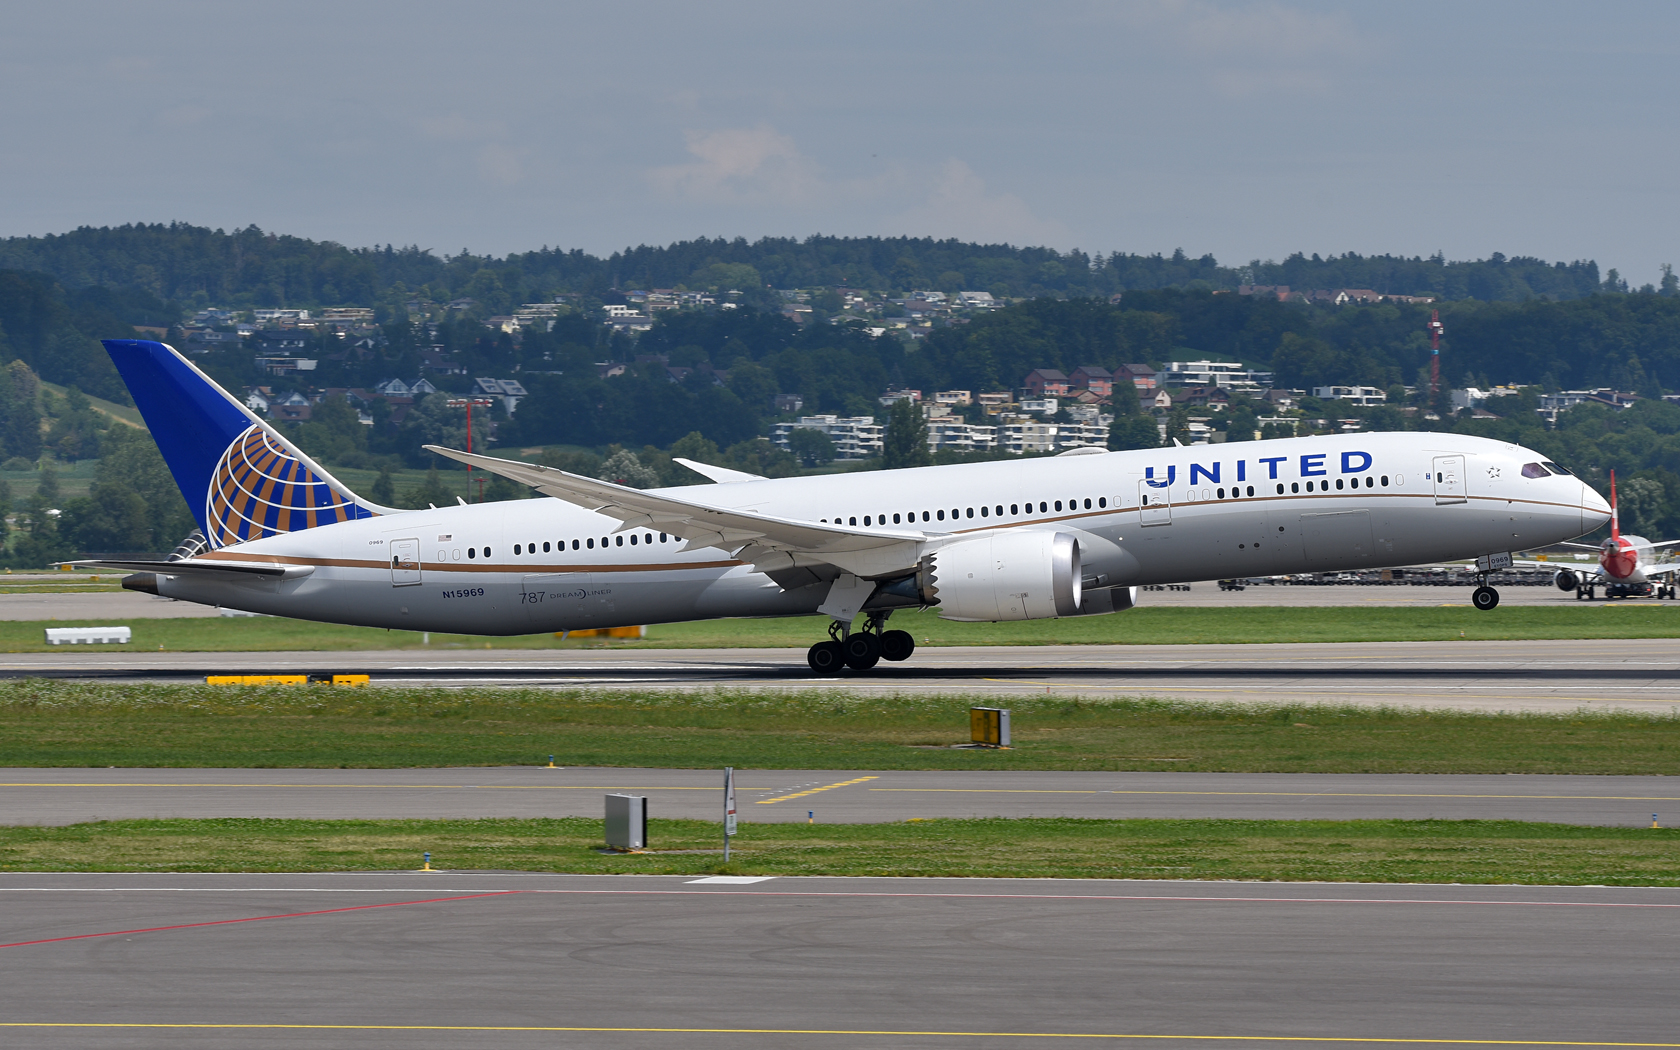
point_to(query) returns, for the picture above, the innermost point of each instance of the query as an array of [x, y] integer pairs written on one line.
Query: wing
[[793, 553], [721, 475]]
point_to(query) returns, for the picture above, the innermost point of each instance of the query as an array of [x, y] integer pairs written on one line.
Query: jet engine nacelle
[[1566, 580], [1026, 575]]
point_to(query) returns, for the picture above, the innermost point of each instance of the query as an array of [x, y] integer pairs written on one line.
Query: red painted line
[[257, 918]]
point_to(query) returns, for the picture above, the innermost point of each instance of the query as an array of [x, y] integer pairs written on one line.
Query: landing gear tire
[[863, 650], [1484, 598], [897, 645], [826, 658]]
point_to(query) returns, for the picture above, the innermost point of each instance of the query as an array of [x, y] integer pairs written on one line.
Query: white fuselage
[[1146, 517]]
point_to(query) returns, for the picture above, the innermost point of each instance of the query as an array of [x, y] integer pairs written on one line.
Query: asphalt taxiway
[[1635, 674], [68, 796], [655, 963]]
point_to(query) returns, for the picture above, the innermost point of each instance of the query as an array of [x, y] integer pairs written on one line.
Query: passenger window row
[[960, 513], [636, 539], [1324, 486]]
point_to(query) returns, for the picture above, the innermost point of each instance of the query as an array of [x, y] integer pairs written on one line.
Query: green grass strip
[[1330, 851], [50, 723]]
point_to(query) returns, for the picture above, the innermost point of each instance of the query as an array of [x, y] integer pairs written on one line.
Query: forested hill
[[193, 265]]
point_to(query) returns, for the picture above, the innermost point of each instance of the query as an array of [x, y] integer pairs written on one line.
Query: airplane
[[1071, 535], [1628, 566]]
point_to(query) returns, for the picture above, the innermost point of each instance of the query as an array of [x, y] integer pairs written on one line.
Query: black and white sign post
[[728, 809]]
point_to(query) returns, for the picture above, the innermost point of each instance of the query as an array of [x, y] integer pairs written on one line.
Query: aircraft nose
[[1594, 511]]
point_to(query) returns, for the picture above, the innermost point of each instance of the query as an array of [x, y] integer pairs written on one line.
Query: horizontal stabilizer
[[202, 567]]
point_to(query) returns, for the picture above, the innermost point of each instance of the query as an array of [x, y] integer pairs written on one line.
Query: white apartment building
[[1356, 395], [1229, 374], [854, 437], [947, 432], [1029, 437]]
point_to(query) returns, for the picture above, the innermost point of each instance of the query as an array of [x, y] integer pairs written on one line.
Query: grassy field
[[45, 723], [1327, 851], [1157, 626]]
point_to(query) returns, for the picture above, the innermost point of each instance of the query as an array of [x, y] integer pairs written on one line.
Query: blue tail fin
[[242, 480]]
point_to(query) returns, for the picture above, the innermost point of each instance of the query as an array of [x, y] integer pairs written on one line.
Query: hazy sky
[[1250, 130]]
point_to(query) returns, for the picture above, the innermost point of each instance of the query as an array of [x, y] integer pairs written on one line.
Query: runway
[[1555, 676], [653, 963], [69, 796]]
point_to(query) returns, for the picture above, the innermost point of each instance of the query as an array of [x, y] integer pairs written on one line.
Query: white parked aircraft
[[1073, 535]]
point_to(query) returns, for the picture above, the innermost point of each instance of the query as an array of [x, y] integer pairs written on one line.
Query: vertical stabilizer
[[242, 480]]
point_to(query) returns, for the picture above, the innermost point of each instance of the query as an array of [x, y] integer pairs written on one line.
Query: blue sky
[[1249, 130]]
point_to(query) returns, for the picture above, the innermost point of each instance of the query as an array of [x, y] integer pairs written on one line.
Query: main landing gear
[[1484, 597], [860, 650]]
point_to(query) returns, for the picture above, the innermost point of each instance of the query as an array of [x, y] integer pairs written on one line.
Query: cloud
[[958, 205], [742, 165]]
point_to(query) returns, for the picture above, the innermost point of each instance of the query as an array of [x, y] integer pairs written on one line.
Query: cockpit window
[[1554, 468], [1534, 470]]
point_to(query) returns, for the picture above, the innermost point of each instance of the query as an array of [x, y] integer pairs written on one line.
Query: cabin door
[[1154, 504], [405, 562], [1449, 479]]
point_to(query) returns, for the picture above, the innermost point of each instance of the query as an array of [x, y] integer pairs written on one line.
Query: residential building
[[1095, 378], [949, 432], [1214, 397], [1048, 406], [286, 366], [1230, 374], [892, 397], [1142, 376], [1357, 395], [978, 300], [1029, 437], [1045, 382], [509, 390], [1081, 435], [854, 437], [789, 402], [276, 316], [953, 397], [351, 314], [1156, 402], [995, 399]]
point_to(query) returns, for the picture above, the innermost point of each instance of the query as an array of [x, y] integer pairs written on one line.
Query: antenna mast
[[1435, 329]]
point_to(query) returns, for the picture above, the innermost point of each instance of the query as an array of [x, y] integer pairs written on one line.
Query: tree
[[811, 447], [384, 490], [20, 412], [905, 442], [1132, 431], [431, 492], [623, 468]]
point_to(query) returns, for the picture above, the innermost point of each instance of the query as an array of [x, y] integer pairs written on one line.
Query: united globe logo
[[259, 489]]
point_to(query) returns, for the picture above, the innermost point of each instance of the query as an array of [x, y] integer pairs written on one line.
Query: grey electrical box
[[627, 822]]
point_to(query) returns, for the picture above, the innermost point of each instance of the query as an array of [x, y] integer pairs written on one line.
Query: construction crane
[[1435, 329]]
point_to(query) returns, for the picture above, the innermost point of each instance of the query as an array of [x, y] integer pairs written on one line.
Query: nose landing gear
[[862, 649]]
